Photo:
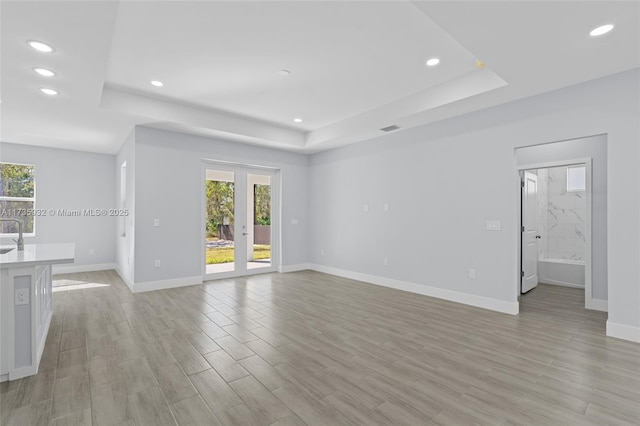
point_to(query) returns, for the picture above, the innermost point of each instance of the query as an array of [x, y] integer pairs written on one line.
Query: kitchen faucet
[[20, 240]]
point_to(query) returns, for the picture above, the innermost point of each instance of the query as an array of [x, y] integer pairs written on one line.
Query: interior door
[[530, 232], [239, 221]]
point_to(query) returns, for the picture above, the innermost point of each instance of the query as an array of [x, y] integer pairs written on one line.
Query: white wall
[[125, 227], [168, 187], [594, 147], [71, 180], [443, 181]]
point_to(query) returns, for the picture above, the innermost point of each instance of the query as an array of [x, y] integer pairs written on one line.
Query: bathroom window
[[17, 198], [576, 179]]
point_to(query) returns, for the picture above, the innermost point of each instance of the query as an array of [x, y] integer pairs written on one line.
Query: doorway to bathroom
[[556, 226], [239, 219], [561, 169]]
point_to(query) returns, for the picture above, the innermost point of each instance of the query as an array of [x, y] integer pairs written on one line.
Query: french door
[[240, 220]]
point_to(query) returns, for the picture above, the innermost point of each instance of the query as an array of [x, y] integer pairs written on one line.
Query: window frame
[[31, 199]]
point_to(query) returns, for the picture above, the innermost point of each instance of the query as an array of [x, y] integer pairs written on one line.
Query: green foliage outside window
[[220, 197], [262, 197], [17, 196]]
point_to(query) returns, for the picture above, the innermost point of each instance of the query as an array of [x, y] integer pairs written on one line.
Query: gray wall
[[443, 181], [168, 187], [596, 148], [71, 180]]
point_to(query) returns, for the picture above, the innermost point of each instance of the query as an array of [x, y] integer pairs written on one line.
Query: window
[[17, 197], [576, 178]]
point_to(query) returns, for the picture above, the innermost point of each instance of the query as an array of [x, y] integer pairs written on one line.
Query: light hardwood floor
[[308, 348]]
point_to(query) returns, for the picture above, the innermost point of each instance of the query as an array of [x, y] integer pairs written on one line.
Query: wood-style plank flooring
[[308, 348]]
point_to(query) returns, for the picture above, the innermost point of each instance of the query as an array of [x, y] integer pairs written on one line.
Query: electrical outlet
[[386, 207], [385, 261], [366, 207], [472, 273], [294, 221], [22, 296], [157, 263], [156, 222]]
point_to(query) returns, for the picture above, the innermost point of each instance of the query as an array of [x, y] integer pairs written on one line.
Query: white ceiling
[[355, 66], [345, 57]]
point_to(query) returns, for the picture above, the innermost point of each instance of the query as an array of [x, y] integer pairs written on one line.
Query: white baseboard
[[124, 277], [468, 299], [622, 331], [164, 284], [21, 372], [560, 283], [4, 377], [293, 268], [157, 285], [72, 269], [598, 305]]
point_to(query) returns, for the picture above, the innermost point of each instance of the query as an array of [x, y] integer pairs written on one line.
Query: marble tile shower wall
[[566, 217], [543, 212]]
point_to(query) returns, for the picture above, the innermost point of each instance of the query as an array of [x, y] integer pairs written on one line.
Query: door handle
[[245, 233], [538, 236]]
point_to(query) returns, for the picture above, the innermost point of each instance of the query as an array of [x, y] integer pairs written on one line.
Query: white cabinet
[[25, 320], [26, 306]]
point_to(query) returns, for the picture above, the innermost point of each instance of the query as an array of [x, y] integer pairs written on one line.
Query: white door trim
[[276, 236], [590, 303]]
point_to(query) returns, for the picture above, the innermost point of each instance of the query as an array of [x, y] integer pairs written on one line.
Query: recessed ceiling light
[[284, 73], [40, 46], [157, 83], [433, 62], [44, 72], [298, 120], [49, 92], [601, 30]]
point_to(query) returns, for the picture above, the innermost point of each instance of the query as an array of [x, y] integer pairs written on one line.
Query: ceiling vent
[[390, 128]]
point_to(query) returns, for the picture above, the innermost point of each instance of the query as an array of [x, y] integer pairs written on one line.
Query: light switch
[[294, 221], [494, 225], [156, 222], [386, 207], [366, 207]]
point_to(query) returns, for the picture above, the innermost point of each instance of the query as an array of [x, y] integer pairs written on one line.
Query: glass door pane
[[259, 202], [239, 221], [220, 213]]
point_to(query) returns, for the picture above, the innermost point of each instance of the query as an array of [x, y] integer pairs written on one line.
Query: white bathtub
[[569, 273]]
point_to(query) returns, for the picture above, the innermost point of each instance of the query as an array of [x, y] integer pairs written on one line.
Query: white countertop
[[38, 254]]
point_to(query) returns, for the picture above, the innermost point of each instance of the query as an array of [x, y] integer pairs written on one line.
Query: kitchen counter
[[38, 254], [26, 305]]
